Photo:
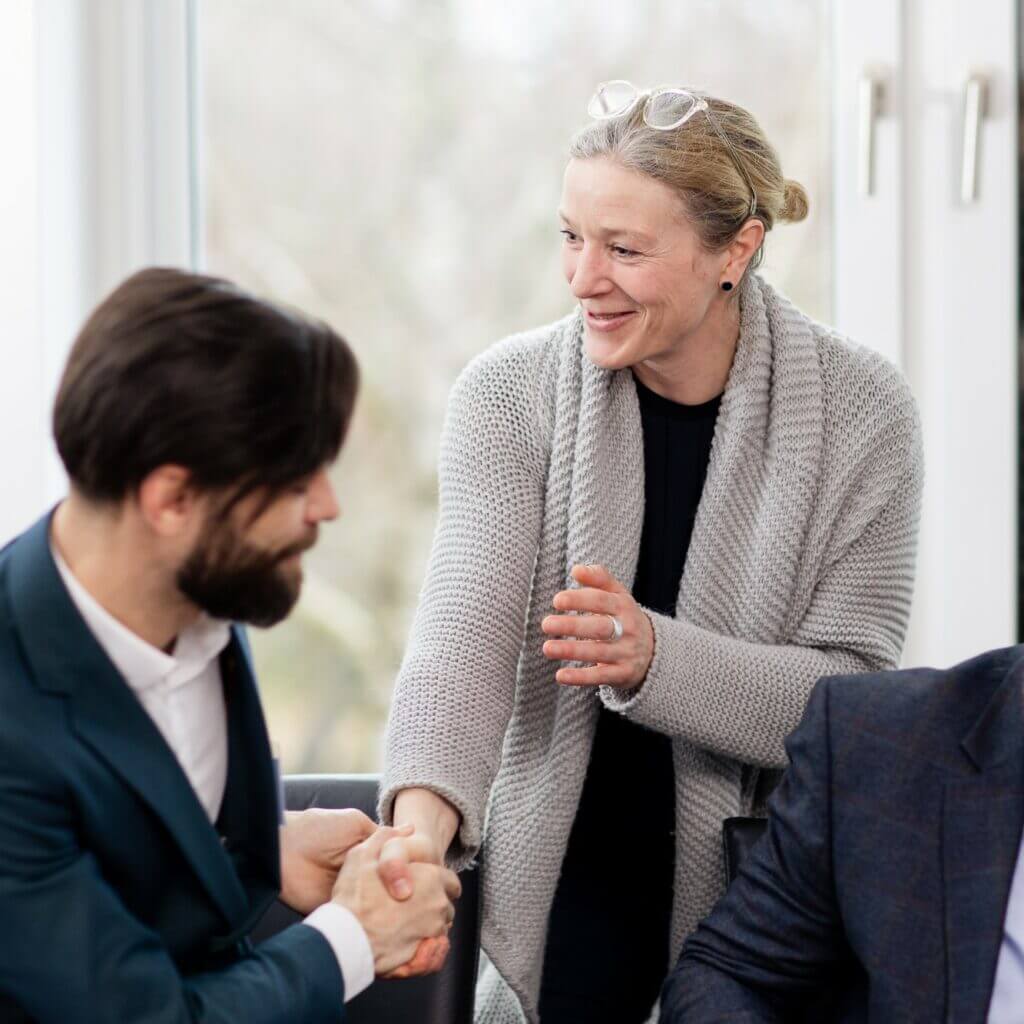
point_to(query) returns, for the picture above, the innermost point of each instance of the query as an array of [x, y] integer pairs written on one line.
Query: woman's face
[[634, 262]]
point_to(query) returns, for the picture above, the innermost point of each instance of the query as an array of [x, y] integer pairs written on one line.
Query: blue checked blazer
[[882, 879]]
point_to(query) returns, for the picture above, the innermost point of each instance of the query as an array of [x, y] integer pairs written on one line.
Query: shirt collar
[[140, 663]]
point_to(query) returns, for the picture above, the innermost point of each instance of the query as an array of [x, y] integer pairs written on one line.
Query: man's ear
[[167, 500]]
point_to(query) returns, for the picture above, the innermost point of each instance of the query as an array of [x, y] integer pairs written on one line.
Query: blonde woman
[[662, 519]]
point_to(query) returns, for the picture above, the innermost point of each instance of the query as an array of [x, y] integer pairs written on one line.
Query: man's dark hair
[[175, 367]]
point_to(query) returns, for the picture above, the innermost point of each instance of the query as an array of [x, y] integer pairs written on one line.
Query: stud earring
[[726, 286]]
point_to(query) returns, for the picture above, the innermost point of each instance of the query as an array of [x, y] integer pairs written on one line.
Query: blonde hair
[[701, 169]]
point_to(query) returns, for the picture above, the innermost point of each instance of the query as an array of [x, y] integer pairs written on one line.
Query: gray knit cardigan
[[801, 565]]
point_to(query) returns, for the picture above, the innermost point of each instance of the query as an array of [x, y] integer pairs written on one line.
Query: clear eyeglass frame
[[665, 109]]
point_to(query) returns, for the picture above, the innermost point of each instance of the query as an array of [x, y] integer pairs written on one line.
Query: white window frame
[[99, 179], [101, 176], [931, 280]]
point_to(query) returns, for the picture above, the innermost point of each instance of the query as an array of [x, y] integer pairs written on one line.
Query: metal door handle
[[975, 96], [869, 94]]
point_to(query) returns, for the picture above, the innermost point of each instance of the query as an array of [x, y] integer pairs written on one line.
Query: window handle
[[869, 95], [975, 102]]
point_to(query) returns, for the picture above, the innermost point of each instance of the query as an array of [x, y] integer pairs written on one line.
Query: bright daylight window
[[394, 166]]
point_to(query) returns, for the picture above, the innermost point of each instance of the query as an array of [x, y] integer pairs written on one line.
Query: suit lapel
[[982, 820], [248, 819], [66, 659]]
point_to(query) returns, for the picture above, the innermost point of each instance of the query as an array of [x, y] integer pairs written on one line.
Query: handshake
[[391, 879]]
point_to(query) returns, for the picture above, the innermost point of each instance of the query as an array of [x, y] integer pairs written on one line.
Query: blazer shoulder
[[34, 738], [940, 702], [29, 718], [14, 672]]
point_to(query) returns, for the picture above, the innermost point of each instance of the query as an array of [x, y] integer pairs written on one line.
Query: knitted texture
[[800, 565]]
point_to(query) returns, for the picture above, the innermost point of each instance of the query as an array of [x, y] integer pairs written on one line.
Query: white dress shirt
[[184, 695], [1008, 988]]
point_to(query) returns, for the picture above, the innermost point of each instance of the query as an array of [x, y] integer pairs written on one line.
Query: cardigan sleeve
[[454, 693], [742, 699]]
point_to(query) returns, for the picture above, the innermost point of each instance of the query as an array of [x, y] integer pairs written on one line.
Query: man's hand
[[435, 822], [396, 928], [313, 848]]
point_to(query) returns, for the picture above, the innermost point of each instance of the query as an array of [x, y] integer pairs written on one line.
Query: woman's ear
[[744, 247]]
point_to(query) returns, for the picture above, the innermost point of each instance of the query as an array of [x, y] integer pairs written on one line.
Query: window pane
[[394, 166]]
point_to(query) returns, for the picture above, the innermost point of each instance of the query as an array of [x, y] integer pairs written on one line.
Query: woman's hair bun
[[794, 201]]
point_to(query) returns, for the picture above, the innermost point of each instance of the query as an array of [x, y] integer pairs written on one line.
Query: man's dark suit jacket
[[119, 901], [887, 861]]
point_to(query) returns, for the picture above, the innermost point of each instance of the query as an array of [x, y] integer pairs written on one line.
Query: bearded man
[[140, 832]]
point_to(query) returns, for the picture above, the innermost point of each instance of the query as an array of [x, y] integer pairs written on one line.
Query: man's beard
[[232, 580]]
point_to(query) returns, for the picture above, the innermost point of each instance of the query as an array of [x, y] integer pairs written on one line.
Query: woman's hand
[[395, 871], [588, 635], [406, 938], [396, 856], [435, 822]]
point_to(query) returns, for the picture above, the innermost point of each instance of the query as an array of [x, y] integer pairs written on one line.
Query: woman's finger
[[597, 576], [452, 885], [595, 675], [429, 957], [587, 599], [583, 650], [393, 869], [580, 627]]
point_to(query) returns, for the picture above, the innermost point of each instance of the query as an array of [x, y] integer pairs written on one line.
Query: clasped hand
[[584, 631], [337, 855]]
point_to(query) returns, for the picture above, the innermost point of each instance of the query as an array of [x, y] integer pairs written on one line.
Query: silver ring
[[616, 630]]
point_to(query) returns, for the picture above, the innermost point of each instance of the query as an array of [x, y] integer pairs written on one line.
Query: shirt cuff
[[341, 928]]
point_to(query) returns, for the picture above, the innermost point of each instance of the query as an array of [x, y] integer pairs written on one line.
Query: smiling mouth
[[607, 321]]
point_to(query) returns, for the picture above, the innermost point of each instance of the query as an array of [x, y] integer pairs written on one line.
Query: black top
[[608, 934]]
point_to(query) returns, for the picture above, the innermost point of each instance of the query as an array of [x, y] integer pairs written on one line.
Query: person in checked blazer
[[140, 832], [889, 885]]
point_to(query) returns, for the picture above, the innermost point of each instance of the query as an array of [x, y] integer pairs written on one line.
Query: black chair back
[[442, 998], [738, 836], [845, 1001]]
